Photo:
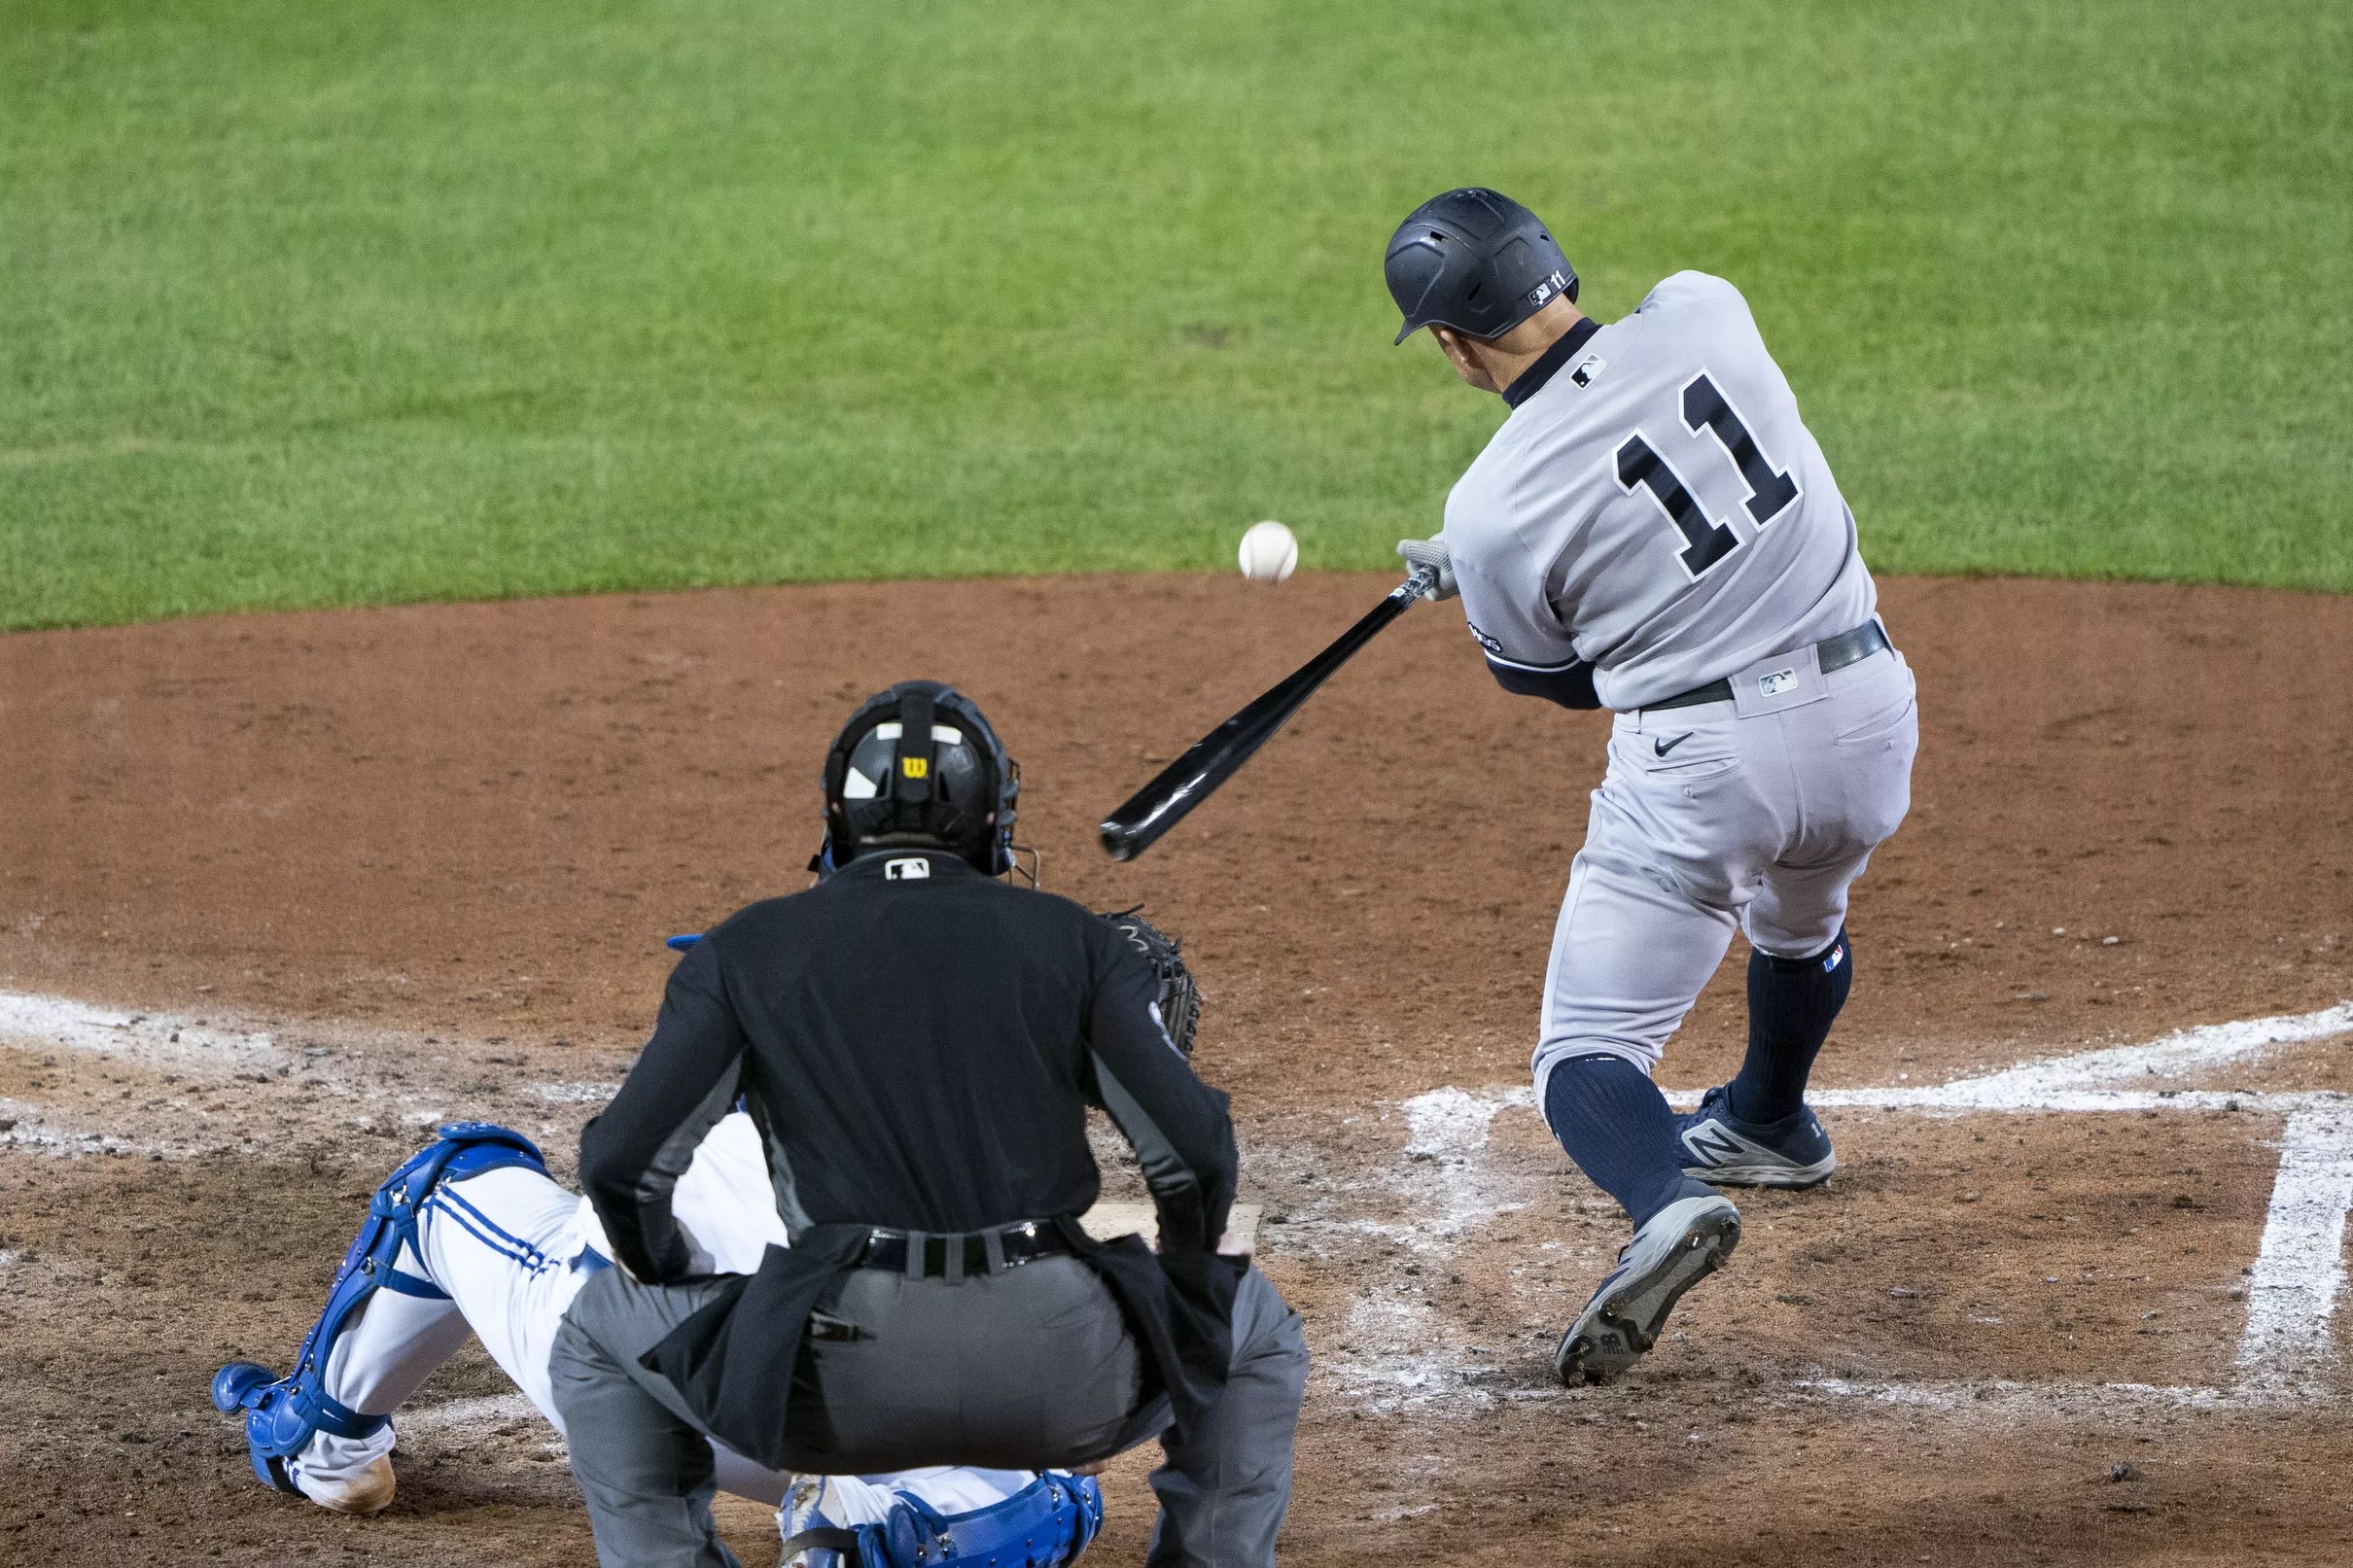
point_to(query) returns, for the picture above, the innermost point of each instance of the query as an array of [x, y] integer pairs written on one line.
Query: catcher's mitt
[[1180, 992]]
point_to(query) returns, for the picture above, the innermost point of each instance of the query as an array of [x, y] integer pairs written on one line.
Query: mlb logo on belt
[[1780, 680]]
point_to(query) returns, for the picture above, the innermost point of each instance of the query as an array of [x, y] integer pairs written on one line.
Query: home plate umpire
[[918, 1042]]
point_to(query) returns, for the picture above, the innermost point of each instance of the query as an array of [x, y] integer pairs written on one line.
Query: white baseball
[[1270, 552]]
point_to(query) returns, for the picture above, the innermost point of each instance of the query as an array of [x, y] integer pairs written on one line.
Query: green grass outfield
[[312, 303]]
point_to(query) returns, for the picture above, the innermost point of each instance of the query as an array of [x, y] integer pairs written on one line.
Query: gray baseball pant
[[1005, 1369], [1758, 812]]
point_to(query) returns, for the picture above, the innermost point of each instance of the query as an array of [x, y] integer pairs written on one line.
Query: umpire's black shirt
[[918, 1044]]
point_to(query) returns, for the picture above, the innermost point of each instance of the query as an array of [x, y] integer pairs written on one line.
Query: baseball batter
[[472, 1237], [1654, 531]]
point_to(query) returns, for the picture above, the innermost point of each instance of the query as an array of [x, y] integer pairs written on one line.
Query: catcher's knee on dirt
[[283, 1413]]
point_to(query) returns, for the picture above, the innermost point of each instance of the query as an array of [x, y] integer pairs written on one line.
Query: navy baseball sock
[[1791, 1005], [1616, 1124]]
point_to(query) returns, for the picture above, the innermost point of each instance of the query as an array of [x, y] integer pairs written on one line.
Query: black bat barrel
[[1184, 783]]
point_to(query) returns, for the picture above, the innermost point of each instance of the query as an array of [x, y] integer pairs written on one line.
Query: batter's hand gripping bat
[[1184, 783]]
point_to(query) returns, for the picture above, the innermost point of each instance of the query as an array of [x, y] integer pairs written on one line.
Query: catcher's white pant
[[506, 1246], [1759, 812]]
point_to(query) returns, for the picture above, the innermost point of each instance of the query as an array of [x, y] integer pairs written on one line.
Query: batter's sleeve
[[1178, 1125], [1528, 649], [685, 1080]]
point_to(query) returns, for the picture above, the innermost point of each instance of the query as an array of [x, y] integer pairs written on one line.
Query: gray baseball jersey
[[1653, 515]]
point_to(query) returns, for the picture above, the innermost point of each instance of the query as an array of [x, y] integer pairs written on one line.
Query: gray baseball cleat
[[1683, 1243], [1720, 1148]]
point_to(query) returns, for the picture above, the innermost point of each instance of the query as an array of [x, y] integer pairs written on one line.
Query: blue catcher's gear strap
[[1045, 1524], [281, 1416]]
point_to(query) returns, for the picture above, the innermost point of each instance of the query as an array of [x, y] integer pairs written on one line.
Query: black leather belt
[[925, 1255], [1833, 653]]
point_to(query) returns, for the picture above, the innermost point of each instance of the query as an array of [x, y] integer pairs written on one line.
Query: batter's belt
[[1833, 653]]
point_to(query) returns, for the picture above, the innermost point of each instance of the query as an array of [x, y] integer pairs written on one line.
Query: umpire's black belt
[[1833, 653], [928, 1255]]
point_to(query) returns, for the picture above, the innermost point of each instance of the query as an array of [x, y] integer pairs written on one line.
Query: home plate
[[1106, 1221]]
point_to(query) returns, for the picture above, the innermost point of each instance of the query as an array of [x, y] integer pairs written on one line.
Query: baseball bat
[[1184, 783]]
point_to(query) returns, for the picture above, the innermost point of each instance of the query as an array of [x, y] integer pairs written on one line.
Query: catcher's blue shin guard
[[283, 1413], [1045, 1524]]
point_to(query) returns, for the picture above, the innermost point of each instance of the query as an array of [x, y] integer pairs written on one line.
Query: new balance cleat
[[1718, 1147], [1683, 1243]]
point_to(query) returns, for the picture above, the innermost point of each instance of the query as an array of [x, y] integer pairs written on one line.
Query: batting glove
[[1431, 553]]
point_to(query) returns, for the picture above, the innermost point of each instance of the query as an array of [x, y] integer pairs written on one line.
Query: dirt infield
[[429, 853]]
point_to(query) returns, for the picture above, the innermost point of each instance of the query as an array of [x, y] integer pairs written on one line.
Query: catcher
[[474, 1236], [916, 1044]]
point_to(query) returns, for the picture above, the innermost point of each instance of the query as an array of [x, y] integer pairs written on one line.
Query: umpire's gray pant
[[1007, 1369]]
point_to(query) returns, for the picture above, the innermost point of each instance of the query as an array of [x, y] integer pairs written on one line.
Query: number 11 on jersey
[[1769, 490]]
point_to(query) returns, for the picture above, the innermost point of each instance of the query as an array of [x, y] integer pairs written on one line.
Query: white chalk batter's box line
[[2286, 1353]]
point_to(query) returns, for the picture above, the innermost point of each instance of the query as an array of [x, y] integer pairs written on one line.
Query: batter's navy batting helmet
[[1475, 261], [919, 765]]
